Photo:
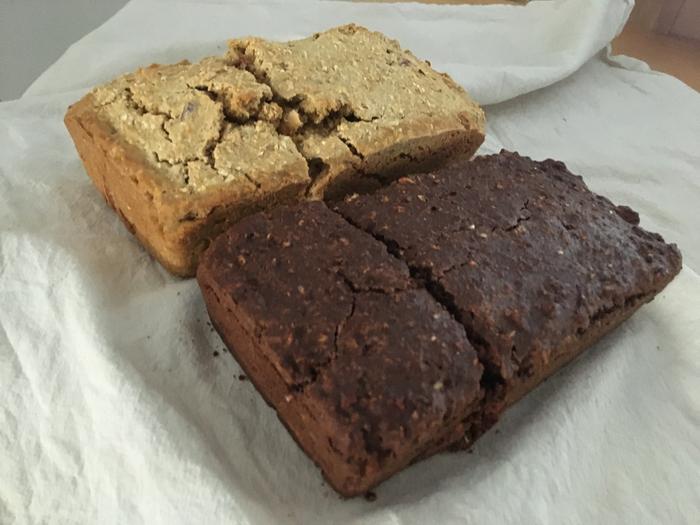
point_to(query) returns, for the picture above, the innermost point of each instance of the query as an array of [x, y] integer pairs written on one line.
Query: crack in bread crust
[[297, 115], [334, 310], [354, 112], [472, 235]]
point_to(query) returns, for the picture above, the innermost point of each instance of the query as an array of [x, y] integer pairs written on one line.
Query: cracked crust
[[343, 111], [362, 105], [533, 264], [365, 370], [174, 225], [452, 294]]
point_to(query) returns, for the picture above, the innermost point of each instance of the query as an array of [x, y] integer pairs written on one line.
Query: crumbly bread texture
[[405, 322], [364, 368], [182, 151]]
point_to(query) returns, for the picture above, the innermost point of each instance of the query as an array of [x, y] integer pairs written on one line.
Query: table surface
[[34, 33]]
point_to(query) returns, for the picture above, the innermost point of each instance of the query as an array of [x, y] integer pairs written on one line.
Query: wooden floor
[[676, 56], [679, 57]]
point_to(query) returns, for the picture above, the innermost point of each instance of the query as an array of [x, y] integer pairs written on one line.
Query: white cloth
[[114, 409]]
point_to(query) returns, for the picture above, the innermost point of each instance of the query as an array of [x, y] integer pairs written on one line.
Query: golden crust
[[175, 226], [182, 151]]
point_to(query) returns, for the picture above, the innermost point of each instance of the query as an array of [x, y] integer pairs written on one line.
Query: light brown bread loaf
[[183, 151]]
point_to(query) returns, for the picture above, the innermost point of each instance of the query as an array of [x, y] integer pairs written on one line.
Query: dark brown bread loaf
[[404, 322]]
